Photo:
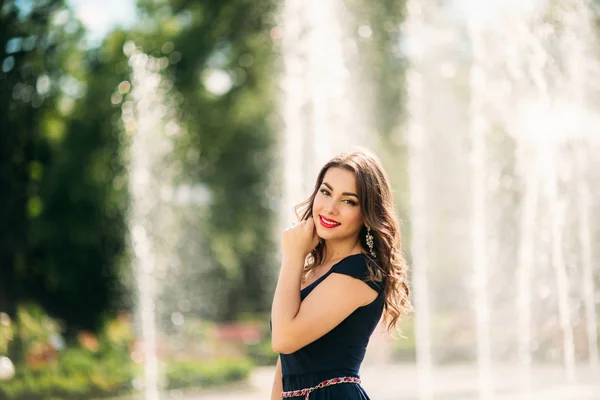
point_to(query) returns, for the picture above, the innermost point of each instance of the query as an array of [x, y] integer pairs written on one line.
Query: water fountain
[[147, 150], [323, 112], [501, 141], [499, 263], [165, 210]]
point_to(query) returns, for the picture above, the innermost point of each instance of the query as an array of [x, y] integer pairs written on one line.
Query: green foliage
[[207, 373], [82, 375], [98, 366], [79, 374], [61, 229], [37, 331], [262, 353], [28, 55], [7, 332], [80, 235]]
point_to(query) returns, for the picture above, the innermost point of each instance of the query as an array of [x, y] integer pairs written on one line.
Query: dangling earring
[[369, 238]]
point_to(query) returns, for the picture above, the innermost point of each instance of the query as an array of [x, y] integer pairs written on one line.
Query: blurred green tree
[[30, 71], [61, 229], [77, 241]]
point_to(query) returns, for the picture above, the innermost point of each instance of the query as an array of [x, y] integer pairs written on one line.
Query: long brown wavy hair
[[378, 210]]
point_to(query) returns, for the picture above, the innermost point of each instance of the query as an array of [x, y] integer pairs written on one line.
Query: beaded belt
[[306, 392]]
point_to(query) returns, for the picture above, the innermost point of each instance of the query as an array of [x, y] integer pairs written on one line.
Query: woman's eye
[[352, 203], [325, 191]]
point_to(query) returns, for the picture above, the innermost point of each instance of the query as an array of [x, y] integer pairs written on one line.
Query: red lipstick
[[328, 223]]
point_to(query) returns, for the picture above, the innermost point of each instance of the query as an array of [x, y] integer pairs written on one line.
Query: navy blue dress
[[340, 352]]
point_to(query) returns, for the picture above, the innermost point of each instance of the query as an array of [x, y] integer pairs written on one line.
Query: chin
[[325, 234], [322, 232]]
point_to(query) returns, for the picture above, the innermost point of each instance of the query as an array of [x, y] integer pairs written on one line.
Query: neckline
[[319, 279]]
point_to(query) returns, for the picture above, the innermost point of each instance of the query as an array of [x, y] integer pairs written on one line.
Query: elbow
[[283, 348], [277, 347], [281, 345]]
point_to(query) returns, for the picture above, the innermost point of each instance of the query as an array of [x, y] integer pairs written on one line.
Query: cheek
[[353, 217], [317, 206]]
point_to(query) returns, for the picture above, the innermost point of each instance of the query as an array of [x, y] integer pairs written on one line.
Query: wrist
[[293, 260]]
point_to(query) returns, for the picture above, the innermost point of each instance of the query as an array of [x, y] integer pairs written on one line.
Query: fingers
[[309, 222], [303, 223]]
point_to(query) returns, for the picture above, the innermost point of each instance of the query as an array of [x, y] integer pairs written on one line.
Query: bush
[[262, 353], [78, 374], [92, 367], [7, 332], [207, 373], [96, 366], [82, 376]]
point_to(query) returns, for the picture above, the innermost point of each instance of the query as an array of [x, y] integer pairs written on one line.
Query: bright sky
[[100, 16]]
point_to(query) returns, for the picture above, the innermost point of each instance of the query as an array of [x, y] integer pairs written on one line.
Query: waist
[[293, 382], [321, 362], [306, 391]]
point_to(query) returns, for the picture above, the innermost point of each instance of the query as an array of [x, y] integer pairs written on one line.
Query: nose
[[331, 207]]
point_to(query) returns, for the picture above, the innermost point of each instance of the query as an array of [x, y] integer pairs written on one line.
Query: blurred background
[[151, 151]]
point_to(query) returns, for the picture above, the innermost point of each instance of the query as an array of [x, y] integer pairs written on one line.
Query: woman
[[342, 269]]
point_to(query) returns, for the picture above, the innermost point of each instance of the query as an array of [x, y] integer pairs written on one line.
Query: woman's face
[[336, 209]]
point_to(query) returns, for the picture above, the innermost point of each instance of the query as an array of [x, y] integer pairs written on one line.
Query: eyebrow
[[343, 194]]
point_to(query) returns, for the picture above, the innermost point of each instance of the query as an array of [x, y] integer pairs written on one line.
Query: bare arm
[[297, 324], [277, 383]]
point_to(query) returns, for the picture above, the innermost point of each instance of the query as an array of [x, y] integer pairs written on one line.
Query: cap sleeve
[[356, 267]]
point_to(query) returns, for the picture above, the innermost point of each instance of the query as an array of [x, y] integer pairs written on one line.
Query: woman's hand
[[299, 240]]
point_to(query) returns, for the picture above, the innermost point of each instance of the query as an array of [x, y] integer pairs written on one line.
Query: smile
[[328, 223]]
